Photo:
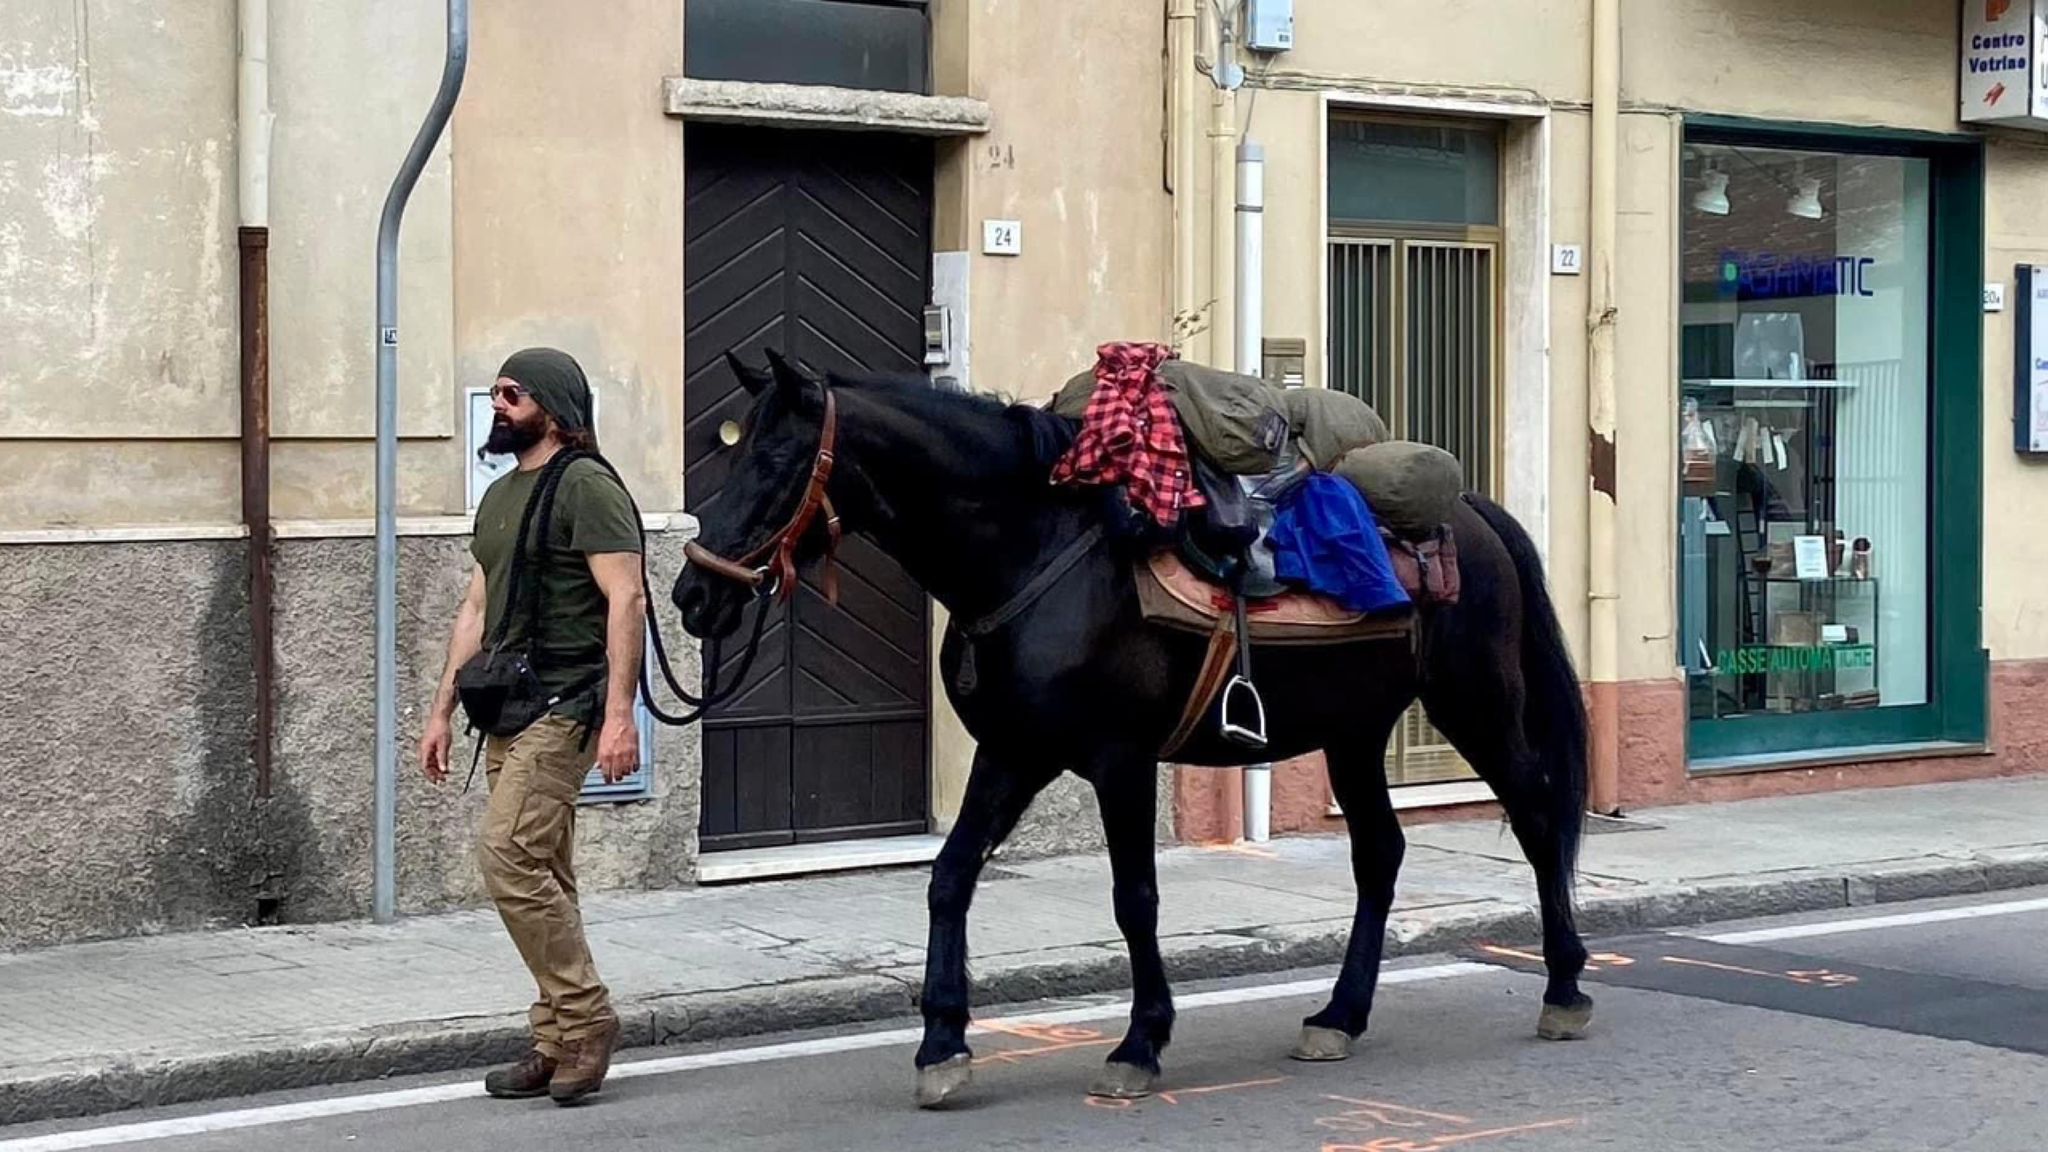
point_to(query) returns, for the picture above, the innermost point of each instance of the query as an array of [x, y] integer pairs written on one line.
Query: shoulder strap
[[542, 500]]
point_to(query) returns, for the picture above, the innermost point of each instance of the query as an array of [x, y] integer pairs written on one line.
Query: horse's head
[[773, 511]]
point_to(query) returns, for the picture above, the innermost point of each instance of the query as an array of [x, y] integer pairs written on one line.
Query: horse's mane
[[1035, 437]]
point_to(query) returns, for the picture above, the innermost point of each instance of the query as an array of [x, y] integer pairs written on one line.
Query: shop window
[[867, 44], [1809, 561]]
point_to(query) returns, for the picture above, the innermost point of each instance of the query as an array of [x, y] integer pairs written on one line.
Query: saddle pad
[[1171, 593]]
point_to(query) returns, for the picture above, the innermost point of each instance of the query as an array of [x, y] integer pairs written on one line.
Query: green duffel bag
[[1239, 422], [1328, 423], [1412, 487]]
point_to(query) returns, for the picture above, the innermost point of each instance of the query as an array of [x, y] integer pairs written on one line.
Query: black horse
[[1066, 674]]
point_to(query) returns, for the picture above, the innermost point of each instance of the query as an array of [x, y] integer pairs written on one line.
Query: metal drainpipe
[[1181, 29], [384, 827], [1603, 584], [253, 121], [1250, 307]]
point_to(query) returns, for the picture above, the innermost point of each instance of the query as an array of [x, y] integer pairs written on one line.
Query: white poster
[[1999, 81]]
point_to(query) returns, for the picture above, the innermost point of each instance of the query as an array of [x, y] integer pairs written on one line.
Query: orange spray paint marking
[[1807, 976], [1593, 962], [1243, 850], [1050, 1039], [1437, 1143], [1512, 953], [1175, 1097], [1364, 1115]]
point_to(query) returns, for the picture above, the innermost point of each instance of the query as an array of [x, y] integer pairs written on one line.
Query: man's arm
[[618, 742], [463, 642]]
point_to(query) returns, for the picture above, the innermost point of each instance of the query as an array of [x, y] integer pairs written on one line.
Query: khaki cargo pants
[[526, 850]]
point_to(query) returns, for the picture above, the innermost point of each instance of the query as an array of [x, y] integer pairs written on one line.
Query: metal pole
[[1250, 311], [1251, 258], [384, 830]]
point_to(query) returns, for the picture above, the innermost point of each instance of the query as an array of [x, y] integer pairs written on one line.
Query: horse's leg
[[1478, 719], [1357, 769], [1126, 791], [997, 795]]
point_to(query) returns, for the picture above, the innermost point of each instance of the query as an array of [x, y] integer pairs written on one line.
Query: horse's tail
[[1553, 710]]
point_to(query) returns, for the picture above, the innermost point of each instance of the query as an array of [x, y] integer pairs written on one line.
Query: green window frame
[[1955, 714]]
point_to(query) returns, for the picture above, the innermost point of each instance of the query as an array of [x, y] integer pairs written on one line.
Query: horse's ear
[[752, 379], [796, 384]]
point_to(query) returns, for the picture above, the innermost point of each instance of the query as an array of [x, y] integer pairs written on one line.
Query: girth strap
[[1208, 682]]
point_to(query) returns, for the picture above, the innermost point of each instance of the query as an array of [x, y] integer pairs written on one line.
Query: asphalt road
[[1900, 1027]]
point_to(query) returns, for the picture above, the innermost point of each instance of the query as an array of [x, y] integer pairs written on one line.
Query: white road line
[[1871, 923], [663, 1066]]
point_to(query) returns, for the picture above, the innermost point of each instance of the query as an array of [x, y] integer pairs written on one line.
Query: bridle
[[769, 571], [773, 563]]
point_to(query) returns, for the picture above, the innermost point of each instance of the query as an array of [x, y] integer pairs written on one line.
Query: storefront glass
[[1805, 431]]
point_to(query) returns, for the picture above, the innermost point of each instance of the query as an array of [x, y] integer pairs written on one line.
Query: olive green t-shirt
[[592, 514]]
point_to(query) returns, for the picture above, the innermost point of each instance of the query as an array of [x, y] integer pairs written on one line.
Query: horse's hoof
[[940, 1082], [1123, 1082], [1321, 1044], [1565, 1022]]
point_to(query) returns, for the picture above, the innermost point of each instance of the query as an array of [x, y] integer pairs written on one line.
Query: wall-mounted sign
[[2004, 63], [1002, 237], [2030, 361]]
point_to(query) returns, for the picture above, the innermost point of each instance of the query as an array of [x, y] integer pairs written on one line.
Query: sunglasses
[[509, 393]]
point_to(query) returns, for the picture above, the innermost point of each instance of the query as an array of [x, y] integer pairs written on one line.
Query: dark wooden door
[[816, 244]]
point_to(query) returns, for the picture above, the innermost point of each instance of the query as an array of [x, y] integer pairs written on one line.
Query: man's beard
[[510, 437]]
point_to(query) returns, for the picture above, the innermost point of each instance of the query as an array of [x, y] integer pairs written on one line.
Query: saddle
[[1175, 596]]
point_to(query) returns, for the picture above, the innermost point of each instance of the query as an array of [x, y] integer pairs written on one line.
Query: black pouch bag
[[499, 688]]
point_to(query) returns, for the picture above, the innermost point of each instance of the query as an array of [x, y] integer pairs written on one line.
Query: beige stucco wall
[[347, 107], [2015, 489], [117, 220], [118, 265], [1075, 154], [569, 217], [117, 261], [1889, 62]]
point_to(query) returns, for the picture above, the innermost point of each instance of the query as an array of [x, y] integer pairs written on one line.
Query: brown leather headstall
[[776, 557]]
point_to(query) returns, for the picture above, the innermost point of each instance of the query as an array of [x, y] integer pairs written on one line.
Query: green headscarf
[[556, 382]]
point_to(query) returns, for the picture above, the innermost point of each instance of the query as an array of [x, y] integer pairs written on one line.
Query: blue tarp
[[1325, 539]]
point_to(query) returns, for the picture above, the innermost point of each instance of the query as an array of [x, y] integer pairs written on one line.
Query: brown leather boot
[[585, 1061], [525, 1079]]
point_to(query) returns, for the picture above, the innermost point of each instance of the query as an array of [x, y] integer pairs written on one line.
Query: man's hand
[[434, 749], [618, 748], [463, 641], [618, 742]]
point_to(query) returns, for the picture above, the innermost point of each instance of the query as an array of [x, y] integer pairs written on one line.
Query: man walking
[[588, 652]]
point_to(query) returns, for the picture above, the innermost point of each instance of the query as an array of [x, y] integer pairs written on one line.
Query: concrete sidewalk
[[156, 1020]]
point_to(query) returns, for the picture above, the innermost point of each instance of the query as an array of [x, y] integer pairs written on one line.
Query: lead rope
[[712, 697]]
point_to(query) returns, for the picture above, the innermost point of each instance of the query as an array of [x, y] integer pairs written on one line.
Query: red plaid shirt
[[1130, 434]]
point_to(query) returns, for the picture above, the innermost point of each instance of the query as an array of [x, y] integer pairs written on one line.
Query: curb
[[451, 1045]]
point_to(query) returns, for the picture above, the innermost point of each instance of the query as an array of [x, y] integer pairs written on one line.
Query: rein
[[1026, 596]]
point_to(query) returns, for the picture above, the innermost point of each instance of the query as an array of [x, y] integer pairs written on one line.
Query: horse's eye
[[729, 433]]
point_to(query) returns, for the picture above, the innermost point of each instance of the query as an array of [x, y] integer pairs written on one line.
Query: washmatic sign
[[2030, 362], [2005, 63]]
